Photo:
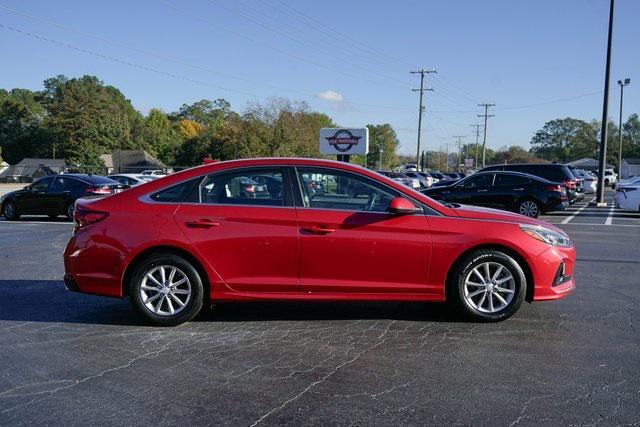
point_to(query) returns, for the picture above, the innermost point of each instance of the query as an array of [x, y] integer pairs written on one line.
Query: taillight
[[570, 183], [554, 188], [99, 190], [84, 217]]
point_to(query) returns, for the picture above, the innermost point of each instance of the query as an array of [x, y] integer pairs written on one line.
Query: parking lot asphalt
[[68, 358]]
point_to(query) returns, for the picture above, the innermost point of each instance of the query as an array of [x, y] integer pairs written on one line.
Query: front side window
[[42, 184], [248, 187], [331, 189]]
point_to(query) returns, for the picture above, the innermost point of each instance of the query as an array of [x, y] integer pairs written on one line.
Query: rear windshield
[[96, 179]]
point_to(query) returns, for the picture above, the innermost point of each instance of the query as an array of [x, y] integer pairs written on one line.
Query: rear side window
[[176, 193], [505, 180], [249, 187]]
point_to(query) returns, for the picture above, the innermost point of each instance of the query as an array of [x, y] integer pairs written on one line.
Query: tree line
[[79, 119]]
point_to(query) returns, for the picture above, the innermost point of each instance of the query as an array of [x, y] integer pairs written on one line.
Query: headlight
[[547, 235]]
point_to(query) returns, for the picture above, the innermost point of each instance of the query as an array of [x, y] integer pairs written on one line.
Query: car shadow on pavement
[[47, 301]]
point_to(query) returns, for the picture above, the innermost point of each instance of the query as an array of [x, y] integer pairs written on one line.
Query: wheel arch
[[138, 258], [502, 248]]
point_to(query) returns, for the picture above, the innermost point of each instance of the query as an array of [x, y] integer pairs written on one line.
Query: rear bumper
[[86, 265], [545, 274]]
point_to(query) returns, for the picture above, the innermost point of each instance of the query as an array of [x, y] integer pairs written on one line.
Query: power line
[[422, 72], [484, 141], [261, 23], [122, 61]]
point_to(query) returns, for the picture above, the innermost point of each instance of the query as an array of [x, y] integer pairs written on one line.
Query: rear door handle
[[318, 230], [518, 189], [202, 223], [482, 191]]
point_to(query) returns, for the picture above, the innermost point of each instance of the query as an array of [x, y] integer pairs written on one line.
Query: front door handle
[[202, 223], [482, 191], [518, 189], [318, 230]]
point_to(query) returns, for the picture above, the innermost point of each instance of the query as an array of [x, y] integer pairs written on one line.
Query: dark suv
[[551, 172], [528, 195]]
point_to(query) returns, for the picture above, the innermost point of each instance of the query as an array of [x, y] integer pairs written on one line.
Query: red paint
[[295, 253]]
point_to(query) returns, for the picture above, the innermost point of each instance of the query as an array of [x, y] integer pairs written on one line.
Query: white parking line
[[610, 216], [567, 219], [35, 222]]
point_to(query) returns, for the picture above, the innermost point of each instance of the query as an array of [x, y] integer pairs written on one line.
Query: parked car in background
[[56, 195], [627, 196], [454, 175], [411, 167], [391, 244], [551, 172], [589, 181], [610, 177], [132, 179], [425, 180], [157, 172], [525, 194], [402, 178]]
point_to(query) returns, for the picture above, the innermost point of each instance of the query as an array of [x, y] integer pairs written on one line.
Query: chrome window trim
[[146, 198]]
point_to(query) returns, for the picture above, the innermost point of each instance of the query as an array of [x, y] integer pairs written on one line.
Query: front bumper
[[545, 267]]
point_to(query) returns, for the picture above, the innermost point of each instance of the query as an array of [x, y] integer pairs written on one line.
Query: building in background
[[132, 161], [29, 170], [588, 164], [629, 168]]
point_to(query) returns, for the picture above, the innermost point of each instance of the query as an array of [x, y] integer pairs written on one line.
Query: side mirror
[[401, 206]]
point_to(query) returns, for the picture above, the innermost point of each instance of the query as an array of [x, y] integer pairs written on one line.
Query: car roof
[[514, 173]]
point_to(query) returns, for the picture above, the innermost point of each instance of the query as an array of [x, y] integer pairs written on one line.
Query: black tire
[[9, 211], [529, 207], [193, 303], [457, 296], [68, 210]]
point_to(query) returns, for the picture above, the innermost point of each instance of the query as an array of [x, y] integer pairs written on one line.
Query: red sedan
[[200, 237]]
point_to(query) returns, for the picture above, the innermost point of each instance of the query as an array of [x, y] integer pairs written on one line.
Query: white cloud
[[331, 96]]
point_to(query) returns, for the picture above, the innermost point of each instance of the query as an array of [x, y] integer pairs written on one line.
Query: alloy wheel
[[165, 290], [489, 287], [9, 210], [70, 211], [529, 208]]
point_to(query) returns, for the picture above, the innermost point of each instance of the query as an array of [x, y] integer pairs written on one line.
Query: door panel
[[365, 252], [35, 201], [350, 243], [253, 249], [248, 234]]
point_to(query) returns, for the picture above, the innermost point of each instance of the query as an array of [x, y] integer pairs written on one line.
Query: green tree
[[161, 136], [554, 141], [385, 137], [88, 118]]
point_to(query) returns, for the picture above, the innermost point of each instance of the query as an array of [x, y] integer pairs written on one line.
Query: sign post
[[343, 142]]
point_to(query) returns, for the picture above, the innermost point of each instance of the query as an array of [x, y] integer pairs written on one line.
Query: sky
[[537, 60]]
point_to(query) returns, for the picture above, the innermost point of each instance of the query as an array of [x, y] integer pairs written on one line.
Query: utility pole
[[605, 113], [422, 72], [486, 116], [459, 151], [447, 156], [475, 163], [380, 151], [622, 84]]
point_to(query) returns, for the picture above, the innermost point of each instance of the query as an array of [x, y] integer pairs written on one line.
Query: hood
[[476, 212]]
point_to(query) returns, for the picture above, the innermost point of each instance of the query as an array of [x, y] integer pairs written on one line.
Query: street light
[[622, 84]]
